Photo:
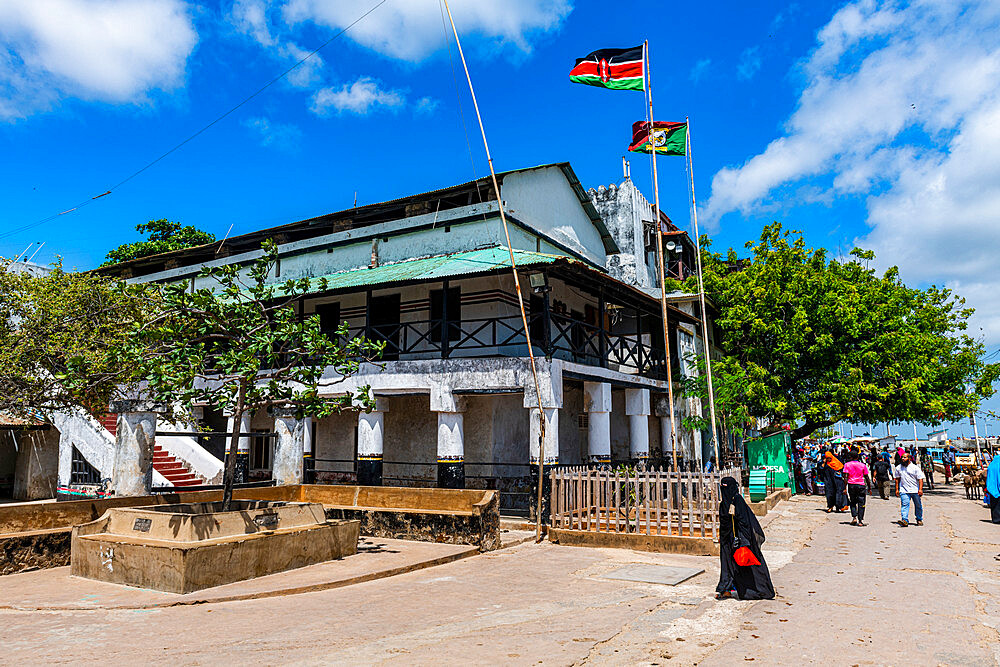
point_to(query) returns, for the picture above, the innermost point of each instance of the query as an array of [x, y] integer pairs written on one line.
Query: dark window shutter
[[329, 317]]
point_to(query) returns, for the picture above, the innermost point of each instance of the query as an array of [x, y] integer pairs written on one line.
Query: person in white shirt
[[909, 488]]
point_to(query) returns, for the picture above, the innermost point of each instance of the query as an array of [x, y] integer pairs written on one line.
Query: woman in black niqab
[[738, 527]]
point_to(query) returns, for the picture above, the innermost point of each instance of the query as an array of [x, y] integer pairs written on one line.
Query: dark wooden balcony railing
[[562, 337]]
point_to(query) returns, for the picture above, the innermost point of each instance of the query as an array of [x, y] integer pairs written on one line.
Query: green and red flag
[[618, 69], [666, 138]]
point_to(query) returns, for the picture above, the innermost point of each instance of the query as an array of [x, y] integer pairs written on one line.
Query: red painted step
[[173, 469]]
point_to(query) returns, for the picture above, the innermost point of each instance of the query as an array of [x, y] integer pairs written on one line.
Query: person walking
[[946, 464], [833, 483], [993, 488], [741, 564], [858, 481], [927, 465], [909, 488], [883, 476]]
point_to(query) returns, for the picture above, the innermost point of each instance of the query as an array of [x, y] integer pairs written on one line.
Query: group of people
[[847, 476]]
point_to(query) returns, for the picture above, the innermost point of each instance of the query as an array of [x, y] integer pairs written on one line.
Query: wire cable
[[178, 146]]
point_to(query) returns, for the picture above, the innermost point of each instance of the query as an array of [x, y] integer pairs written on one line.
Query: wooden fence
[[634, 500]]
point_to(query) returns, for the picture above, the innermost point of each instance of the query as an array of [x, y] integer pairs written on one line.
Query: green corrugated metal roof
[[431, 268]]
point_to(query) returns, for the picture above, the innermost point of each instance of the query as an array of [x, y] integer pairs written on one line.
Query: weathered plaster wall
[[410, 445], [623, 208], [36, 475], [336, 438], [544, 199], [572, 439]]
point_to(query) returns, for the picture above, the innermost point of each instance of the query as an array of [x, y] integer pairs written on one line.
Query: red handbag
[[744, 557]]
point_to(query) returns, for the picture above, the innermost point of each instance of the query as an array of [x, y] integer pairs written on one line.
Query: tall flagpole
[[659, 261], [517, 288], [701, 294]]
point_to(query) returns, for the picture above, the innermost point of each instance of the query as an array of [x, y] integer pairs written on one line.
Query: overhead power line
[[176, 147]]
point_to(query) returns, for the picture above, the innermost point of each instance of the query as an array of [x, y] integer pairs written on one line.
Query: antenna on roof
[[626, 168]]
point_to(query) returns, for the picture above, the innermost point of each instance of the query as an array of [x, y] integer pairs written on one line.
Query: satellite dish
[[670, 245]]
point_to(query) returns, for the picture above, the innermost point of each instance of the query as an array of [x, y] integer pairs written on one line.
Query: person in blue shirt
[[993, 488]]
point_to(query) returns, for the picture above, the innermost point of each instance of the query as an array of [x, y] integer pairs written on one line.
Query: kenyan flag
[[618, 69], [667, 138]]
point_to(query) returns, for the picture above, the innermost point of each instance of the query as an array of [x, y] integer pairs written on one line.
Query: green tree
[[164, 236], [55, 330], [811, 340], [239, 344]]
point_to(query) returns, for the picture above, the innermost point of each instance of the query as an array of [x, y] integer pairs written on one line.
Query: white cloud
[[700, 69], [116, 51], [426, 105], [902, 105], [412, 29], [749, 63], [257, 19], [360, 97], [276, 135]]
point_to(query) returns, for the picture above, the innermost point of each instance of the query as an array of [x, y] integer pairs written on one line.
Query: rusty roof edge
[[306, 222]]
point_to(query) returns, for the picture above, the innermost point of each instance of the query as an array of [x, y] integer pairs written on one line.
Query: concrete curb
[[259, 595]]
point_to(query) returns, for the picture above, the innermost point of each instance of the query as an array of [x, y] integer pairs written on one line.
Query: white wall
[[545, 200]]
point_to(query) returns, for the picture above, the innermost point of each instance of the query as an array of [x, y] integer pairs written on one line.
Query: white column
[[371, 426], [450, 436], [551, 436], [661, 408], [243, 446], [132, 474], [286, 464], [637, 409], [597, 405], [307, 437]]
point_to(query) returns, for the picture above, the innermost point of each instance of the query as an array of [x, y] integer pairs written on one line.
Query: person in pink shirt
[[858, 480]]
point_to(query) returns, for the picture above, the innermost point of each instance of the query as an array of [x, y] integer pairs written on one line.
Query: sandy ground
[[847, 596]]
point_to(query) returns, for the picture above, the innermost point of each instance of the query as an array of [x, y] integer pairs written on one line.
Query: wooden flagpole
[[701, 294], [517, 287], [660, 261]]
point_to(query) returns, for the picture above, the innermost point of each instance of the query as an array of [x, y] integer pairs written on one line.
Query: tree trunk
[[234, 439]]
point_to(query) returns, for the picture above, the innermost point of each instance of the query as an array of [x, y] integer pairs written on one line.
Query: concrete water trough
[[182, 548]]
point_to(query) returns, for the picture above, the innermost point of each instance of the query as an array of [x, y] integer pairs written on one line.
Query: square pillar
[[451, 450], [668, 443], [450, 436], [132, 471], [597, 405], [308, 457], [551, 437], [289, 447], [371, 426], [242, 446], [551, 456], [637, 409]]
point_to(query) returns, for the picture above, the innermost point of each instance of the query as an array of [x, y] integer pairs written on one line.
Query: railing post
[[445, 329], [638, 341], [546, 324], [602, 346]]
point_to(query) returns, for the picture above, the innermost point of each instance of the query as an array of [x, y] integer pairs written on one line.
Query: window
[[260, 450], [329, 317], [446, 304]]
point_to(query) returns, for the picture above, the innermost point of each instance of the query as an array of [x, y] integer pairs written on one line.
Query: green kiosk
[[769, 458]]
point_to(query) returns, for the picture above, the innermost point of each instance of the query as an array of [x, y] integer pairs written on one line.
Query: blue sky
[[855, 121]]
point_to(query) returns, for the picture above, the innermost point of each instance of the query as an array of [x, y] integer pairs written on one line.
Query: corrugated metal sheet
[[435, 268]]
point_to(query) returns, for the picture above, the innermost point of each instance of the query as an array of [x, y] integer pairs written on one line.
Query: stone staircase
[[174, 470]]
